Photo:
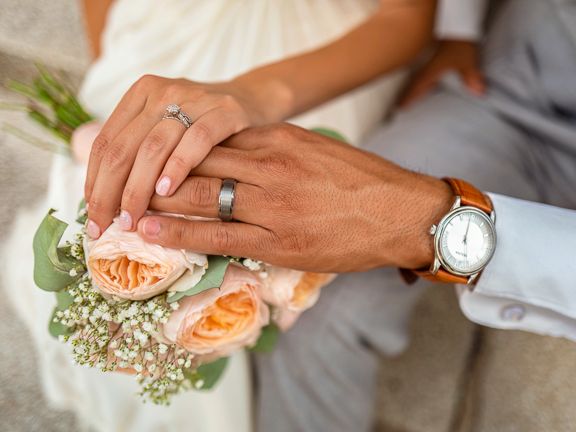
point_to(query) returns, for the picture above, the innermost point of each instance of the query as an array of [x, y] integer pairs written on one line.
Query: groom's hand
[[304, 201]]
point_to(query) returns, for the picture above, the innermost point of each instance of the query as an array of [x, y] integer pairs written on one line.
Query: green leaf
[[330, 133], [51, 265], [213, 278], [267, 340], [207, 375], [63, 300]]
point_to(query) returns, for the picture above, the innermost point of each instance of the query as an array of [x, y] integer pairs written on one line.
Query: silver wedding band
[[174, 112], [226, 199]]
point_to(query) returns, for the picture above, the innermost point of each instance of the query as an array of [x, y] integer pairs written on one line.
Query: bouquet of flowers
[[169, 317]]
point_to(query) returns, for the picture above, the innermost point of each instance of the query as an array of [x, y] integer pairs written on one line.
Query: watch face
[[466, 241]]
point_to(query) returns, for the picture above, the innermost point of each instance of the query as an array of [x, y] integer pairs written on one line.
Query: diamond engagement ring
[[174, 112], [226, 199]]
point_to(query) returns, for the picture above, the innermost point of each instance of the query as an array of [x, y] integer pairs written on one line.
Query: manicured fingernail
[[93, 229], [151, 227], [163, 186], [125, 220]]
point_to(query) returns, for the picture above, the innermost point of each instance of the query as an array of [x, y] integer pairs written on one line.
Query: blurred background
[[455, 376]]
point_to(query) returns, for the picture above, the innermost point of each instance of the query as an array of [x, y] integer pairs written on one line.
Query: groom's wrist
[[434, 199]]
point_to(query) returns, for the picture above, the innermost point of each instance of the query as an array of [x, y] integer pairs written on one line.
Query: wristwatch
[[464, 239]]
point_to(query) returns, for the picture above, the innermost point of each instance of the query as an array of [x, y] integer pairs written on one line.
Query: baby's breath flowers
[[120, 335]]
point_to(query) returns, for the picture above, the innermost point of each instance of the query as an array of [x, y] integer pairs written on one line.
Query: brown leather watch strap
[[469, 195], [441, 276]]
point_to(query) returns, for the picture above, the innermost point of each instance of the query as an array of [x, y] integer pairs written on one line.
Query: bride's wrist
[[271, 99]]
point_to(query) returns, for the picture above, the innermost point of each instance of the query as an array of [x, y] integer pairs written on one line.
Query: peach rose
[[292, 292], [82, 139], [217, 322], [122, 264]]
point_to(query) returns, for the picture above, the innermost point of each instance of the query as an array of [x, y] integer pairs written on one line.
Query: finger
[[225, 162], [209, 237], [418, 89], [474, 81], [198, 196], [113, 172], [150, 159], [205, 133], [129, 107]]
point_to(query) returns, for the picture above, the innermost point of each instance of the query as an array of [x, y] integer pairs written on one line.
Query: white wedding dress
[[203, 40]]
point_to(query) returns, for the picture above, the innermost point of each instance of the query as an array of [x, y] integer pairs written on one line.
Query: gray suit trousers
[[519, 140]]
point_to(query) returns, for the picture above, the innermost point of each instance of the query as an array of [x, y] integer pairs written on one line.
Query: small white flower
[[162, 349], [149, 356], [198, 384], [181, 362], [152, 367], [174, 306], [73, 273], [251, 264], [138, 367], [148, 327]]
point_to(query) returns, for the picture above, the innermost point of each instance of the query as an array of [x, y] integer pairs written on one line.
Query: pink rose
[[292, 292], [82, 139], [122, 264], [217, 322]]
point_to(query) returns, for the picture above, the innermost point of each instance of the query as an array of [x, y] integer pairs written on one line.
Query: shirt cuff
[[529, 283], [460, 19]]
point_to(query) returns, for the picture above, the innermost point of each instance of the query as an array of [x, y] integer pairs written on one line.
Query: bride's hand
[[137, 152]]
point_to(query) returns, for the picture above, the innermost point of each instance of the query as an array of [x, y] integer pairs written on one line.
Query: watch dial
[[467, 241]]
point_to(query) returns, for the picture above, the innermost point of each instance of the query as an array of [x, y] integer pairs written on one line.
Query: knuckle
[[100, 145], [130, 197], [115, 158], [197, 92], [97, 207], [229, 102], [295, 244], [276, 163], [172, 93], [179, 164], [201, 192], [202, 132], [145, 81], [282, 132], [152, 145], [179, 233], [224, 240]]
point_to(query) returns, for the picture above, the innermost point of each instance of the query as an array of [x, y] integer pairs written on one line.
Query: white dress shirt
[[460, 19], [530, 284]]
